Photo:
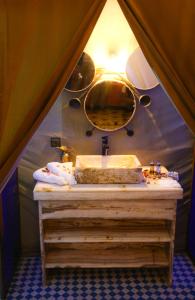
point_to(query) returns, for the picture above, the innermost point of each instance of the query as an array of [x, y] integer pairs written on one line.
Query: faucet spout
[[106, 150], [105, 146]]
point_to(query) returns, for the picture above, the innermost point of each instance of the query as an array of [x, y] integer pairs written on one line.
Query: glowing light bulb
[[112, 40]]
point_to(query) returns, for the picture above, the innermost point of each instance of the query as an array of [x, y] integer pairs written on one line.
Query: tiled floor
[[103, 284]]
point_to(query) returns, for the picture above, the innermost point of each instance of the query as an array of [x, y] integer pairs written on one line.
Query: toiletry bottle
[[158, 168], [152, 168]]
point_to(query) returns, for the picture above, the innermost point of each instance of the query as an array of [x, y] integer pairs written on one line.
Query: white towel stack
[[57, 173]]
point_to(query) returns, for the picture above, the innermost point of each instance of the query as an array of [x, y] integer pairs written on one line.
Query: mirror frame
[[132, 115]]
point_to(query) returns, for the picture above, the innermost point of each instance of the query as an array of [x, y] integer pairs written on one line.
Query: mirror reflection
[[109, 105], [82, 75]]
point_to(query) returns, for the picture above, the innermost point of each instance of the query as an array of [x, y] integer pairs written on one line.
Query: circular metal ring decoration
[[145, 100], [82, 75], [75, 103], [109, 105]]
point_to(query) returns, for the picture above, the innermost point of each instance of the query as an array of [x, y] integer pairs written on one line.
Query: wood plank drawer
[[109, 209]]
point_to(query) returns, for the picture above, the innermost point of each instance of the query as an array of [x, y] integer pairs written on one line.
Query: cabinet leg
[[170, 276], [171, 257], [44, 276], [170, 269], [171, 253], [42, 246]]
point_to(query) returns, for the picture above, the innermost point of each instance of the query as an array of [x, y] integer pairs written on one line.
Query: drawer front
[[109, 209]]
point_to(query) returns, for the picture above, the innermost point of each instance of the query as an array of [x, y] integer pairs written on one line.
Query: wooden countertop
[[166, 188]]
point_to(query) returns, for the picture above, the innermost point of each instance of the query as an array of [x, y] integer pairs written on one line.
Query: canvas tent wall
[[160, 134], [41, 40]]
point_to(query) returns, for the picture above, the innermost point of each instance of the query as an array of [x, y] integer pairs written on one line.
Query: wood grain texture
[[74, 223], [171, 252], [97, 226], [154, 190], [102, 195], [115, 246], [42, 246], [145, 209], [108, 175], [109, 258], [120, 235]]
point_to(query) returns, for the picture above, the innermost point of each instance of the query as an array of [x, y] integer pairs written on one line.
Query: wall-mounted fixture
[[82, 75], [55, 141], [109, 105], [105, 146], [89, 132], [130, 132], [75, 103], [109, 99], [145, 100]]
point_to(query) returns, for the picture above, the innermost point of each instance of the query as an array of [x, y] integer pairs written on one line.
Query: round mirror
[[109, 105], [139, 72], [82, 75]]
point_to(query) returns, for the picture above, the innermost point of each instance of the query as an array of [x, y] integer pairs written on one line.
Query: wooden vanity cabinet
[[122, 227]]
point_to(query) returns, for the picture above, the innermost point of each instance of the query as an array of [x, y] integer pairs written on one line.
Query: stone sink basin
[[108, 169]]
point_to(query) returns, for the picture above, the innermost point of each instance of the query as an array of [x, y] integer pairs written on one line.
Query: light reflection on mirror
[[109, 105]]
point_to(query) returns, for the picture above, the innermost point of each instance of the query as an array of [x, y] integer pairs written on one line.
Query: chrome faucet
[[105, 146]]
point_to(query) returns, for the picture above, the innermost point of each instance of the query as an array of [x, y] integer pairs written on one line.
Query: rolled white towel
[[58, 168], [64, 170], [45, 175]]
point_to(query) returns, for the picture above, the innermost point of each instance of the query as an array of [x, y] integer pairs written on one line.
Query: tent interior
[[160, 131]]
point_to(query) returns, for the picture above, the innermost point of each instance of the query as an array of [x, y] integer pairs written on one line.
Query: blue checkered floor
[[103, 284]]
